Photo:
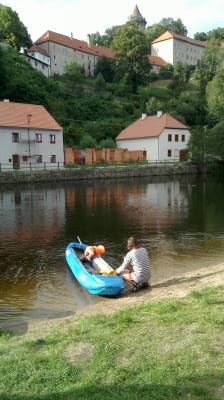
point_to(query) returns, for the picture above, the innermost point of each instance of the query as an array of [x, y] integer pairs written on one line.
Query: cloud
[[86, 16]]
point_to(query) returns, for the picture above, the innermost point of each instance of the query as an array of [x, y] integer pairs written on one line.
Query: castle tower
[[137, 17]]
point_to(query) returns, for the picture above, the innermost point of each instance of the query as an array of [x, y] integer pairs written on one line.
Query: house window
[[176, 138], [53, 158], [15, 137], [52, 138], [38, 137], [183, 138], [39, 159], [169, 138], [169, 153], [25, 158]]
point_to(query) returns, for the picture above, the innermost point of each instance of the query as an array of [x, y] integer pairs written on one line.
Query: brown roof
[[75, 44], [15, 114], [158, 61], [149, 127], [170, 35], [38, 49]]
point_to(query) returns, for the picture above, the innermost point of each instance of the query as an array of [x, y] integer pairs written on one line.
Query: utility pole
[[29, 116]]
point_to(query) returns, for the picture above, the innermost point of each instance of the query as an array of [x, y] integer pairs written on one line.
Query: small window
[[53, 159], [39, 159], [183, 138], [38, 137], [169, 138], [25, 158], [10, 160], [169, 153], [15, 137], [176, 138], [52, 138]]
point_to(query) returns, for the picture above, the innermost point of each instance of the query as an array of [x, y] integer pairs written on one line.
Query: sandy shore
[[178, 286]]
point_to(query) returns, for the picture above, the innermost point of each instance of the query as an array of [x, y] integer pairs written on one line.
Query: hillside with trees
[[93, 111]]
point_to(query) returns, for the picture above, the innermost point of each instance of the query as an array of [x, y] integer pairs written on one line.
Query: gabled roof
[[170, 35], [37, 49], [157, 61], [75, 44], [15, 115], [150, 127]]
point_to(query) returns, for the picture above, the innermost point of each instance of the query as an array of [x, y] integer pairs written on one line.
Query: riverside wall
[[112, 172]]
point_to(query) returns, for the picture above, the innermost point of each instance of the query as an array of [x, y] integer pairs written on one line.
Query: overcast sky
[[87, 16]]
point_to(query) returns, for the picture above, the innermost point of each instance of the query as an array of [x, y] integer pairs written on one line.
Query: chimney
[[159, 114], [89, 40], [144, 116], [6, 101]]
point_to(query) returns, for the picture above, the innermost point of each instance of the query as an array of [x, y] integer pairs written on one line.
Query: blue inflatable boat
[[105, 285]]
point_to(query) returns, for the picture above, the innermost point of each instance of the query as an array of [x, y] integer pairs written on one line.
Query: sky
[[81, 17]]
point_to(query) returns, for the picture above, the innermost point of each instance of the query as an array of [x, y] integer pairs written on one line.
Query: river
[[179, 221]]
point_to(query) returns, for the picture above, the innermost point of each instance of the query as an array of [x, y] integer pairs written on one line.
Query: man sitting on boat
[[135, 267]]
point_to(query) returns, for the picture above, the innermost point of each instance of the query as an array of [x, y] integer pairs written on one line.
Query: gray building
[[137, 17], [29, 134]]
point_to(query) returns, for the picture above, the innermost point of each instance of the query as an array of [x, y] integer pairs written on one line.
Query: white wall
[[39, 65], [46, 149], [41, 57], [175, 147], [150, 145], [164, 50]]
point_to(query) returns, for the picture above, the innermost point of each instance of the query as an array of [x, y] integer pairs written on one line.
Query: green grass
[[173, 349]]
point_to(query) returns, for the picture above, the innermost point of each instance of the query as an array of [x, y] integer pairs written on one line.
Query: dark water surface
[[180, 222]]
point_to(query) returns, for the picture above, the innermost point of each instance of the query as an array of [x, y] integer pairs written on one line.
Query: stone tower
[[137, 17]]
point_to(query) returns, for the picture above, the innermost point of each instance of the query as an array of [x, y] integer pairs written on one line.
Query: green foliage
[[166, 24], [201, 36], [215, 139], [106, 67], [107, 38], [87, 141], [131, 47], [153, 105], [107, 143], [215, 96], [182, 73], [166, 71], [12, 30], [212, 59], [198, 143]]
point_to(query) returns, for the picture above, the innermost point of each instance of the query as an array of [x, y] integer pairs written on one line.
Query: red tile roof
[[150, 127], [15, 115], [158, 61], [38, 49], [75, 44], [170, 35]]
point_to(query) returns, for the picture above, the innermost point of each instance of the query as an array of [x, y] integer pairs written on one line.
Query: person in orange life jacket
[[91, 251]]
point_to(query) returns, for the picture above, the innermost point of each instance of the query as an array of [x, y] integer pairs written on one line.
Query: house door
[[15, 161], [183, 155]]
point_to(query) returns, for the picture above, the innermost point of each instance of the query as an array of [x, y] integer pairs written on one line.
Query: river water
[[179, 221]]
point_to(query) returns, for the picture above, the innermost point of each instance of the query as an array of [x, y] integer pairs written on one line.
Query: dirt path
[[179, 286]]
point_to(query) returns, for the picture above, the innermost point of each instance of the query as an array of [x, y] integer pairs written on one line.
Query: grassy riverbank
[[172, 349]]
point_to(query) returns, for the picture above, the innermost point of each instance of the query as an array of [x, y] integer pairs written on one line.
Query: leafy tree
[[131, 47], [166, 71], [206, 69], [166, 24], [153, 105], [215, 96], [198, 143], [100, 83], [201, 36], [73, 133], [73, 78], [217, 33], [182, 73], [12, 30], [215, 140], [87, 141], [107, 143], [106, 67], [107, 38]]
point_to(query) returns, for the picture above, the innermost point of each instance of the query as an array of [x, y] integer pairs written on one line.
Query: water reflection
[[180, 221]]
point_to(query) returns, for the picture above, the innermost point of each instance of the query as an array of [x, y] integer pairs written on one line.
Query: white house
[[172, 48], [38, 58], [161, 136], [29, 135]]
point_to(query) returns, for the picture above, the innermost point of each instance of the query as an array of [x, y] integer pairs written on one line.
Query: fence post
[[30, 167], [58, 166]]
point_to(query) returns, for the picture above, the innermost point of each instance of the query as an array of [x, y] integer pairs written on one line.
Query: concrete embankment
[[75, 174]]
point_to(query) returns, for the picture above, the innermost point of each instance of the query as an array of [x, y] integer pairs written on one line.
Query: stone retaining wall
[[97, 173]]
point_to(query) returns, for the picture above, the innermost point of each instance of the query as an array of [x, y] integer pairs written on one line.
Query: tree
[[12, 30], [107, 143], [131, 47], [182, 73], [198, 143], [166, 24], [106, 39], [166, 71], [87, 141], [153, 105], [215, 96], [206, 69], [106, 67], [217, 33], [215, 140], [201, 36]]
